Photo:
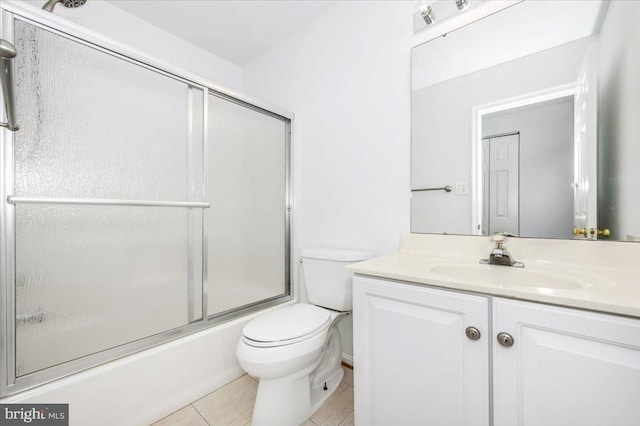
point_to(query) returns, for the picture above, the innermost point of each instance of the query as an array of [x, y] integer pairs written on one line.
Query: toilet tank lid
[[338, 255]]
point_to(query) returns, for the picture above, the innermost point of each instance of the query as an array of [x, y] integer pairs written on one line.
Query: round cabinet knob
[[505, 339], [472, 333]]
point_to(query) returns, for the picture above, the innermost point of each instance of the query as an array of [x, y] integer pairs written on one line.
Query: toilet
[[295, 351]]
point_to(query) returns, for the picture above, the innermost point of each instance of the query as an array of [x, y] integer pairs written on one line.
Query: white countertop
[[588, 284]]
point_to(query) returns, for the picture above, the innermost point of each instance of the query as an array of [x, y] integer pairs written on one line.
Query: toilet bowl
[[296, 372], [285, 341], [295, 351]]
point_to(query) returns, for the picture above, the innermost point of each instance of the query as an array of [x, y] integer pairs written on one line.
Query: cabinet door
[[414, 364], [566, 367]]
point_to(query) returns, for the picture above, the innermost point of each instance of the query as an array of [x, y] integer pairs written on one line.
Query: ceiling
[[236, 30]]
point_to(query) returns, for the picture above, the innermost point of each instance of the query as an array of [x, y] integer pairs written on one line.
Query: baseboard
[[347, 360]]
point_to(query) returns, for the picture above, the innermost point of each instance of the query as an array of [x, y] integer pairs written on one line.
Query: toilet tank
[[327, 279]]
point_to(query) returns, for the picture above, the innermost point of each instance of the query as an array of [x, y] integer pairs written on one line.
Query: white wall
[[546, 164], [442, 128], [106, 19], [619, 126], [347, 79]]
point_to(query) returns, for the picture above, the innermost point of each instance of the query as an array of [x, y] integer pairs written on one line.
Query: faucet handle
[[499, 240]]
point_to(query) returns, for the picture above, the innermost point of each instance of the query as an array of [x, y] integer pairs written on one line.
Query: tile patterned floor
[[232, 405]]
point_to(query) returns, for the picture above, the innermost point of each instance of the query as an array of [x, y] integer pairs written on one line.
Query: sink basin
[[528, 277]]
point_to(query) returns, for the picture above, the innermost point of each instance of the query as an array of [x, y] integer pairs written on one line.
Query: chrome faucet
[[500, 255]]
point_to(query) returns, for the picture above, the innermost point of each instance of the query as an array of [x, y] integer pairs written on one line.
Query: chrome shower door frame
[[287, 118], [7, 241], [9, 383]]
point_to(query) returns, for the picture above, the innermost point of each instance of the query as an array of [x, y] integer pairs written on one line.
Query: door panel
[[415, 364], [502, 196], [247, 187], [566, 367], [96, 126]]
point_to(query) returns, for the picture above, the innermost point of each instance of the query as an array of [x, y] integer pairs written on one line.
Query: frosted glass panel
[[246, 222], [89, 278], [96, 126]]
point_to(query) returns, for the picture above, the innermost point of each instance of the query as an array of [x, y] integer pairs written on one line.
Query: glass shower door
[[107, 244], [247, 224], [108, 190]]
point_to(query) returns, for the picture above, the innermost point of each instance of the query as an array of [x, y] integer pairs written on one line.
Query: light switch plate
[[462, 188]]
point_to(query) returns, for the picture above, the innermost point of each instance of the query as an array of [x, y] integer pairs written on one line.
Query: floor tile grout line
[[346, 417], [249, 423], [200, 414]]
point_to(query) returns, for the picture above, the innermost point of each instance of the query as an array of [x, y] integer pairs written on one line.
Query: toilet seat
[[286, 326]]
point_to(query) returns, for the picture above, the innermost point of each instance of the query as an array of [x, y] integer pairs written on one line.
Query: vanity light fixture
[[428, 15], [430, 12], [462, 4]]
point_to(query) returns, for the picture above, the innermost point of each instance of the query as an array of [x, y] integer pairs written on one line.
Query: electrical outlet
[[462, 188]]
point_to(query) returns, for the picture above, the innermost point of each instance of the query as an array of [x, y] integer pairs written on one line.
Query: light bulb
[[426, 12], [462, 4]]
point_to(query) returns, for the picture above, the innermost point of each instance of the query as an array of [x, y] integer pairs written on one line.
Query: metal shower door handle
[[7, 53]]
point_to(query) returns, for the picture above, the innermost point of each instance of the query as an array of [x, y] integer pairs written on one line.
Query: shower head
[[66, 3]]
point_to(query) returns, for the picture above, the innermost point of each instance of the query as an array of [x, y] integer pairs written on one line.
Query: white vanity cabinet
[[415, 365]]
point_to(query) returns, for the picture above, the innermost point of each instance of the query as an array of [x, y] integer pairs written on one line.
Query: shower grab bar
[[105, 202], [7, 53], [447, 188]]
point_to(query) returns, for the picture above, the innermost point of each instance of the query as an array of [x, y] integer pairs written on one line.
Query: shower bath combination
[[128, 262]]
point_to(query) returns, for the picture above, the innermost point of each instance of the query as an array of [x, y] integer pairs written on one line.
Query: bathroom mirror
[[526, 123]]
